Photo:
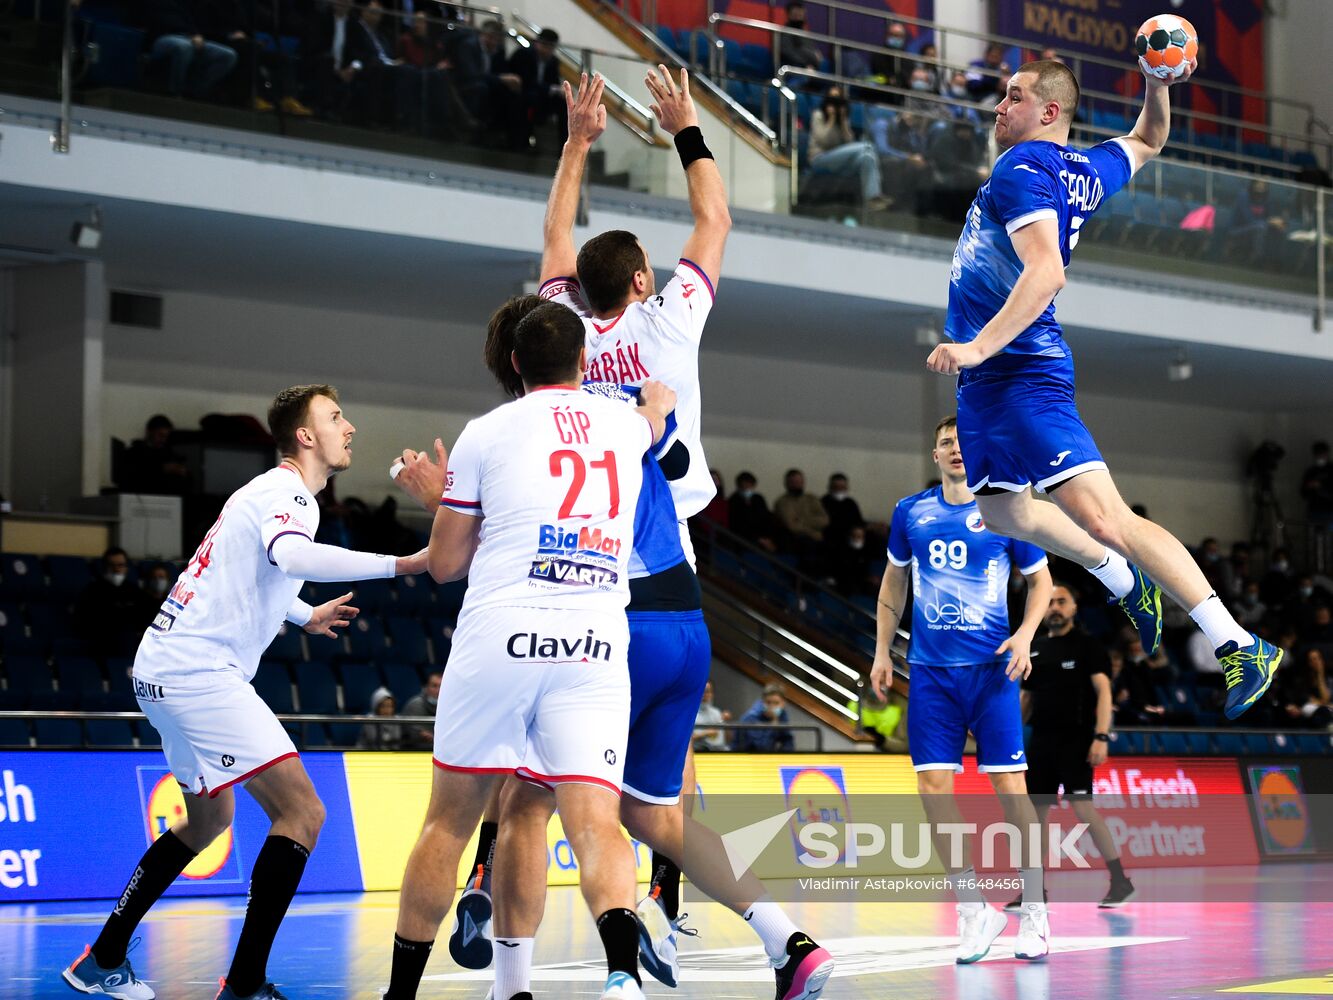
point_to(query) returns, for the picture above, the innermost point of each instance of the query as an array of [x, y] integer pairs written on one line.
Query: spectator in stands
[[1320, 628], [423, 49], [985, 75], [150, 465], [893, 69], [956, 152], [380, 736], [849, 564], [844, 513], [155, 589], [389, 85], [880, 718], [749, 515], [1305, 691], [709, 714], [957, 89], [922, 83], [541, 97], [109, 613], [1257, 228], [1317, 488], [489, 90], [835, 150], [1136, 702], [415, 736], [1278, 583], [769, 709], [195, 66], [385, 533], [1049, 54], [929, 51], [328, 59], [718, 510], [264, 78], [1250, 609], [1209, 557], [902, 148], [802, 519], [794, 50]]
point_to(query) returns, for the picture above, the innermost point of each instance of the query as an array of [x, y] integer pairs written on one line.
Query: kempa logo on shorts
[[148, 692], [531, 646], [609, 756], [228, 760]]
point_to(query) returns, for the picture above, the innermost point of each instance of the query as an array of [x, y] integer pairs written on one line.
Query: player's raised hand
[[420, 478], [1188, 72], [1019, 648], [586, 112], [331, 615], [672, 104], [881, 676], [950, 359]]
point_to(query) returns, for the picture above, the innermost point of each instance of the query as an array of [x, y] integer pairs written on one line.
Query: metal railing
[[792, 728]]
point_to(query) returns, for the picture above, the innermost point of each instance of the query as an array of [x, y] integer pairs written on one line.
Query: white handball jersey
[[231, 600], [556, 475], [657, 339]]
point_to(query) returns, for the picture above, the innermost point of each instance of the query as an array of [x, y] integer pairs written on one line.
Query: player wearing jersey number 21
[[1017, 420]]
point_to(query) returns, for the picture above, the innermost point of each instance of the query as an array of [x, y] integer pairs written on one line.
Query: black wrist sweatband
[[691, 146]]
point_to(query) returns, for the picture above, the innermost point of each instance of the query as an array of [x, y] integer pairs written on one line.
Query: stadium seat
[[28, 675], [109, 732], [1312, 743], [274, 685], [373, 596], [15, 733], [69, 575], [58, 732], [449, 598], [13, 633], [1127, 743], [667, 37], [1284, 743], [1199, 743], [21, 577], [343, 734], [316, 688], [1258, 744], [414, 594], [1171, 743], [360, 680], [79, 676], [753, 60], [1229, 744], [408, 640], [403, 680], [287, 645], [365, 638], [441, 633]]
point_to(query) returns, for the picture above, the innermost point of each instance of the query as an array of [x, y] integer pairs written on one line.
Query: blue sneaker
[[86, 976], [470, 944], [266, 992], [1143, 604], [621, 986], [1249, 671], [658, 937]]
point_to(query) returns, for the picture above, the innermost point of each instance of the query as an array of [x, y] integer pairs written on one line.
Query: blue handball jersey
[[656, 531], [960, 578], [1032, 181]]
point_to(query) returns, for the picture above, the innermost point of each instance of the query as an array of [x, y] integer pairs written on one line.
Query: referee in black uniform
[[1067, 701]]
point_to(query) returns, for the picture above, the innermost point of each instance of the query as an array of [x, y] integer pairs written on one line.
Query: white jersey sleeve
[[462, 480], [286, 513], [685, 302], [566, 291]]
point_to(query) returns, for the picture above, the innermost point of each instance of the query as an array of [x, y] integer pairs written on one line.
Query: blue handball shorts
[[1018, 425], [669, 658], [947, 702]]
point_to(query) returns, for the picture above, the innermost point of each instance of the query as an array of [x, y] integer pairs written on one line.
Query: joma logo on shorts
[[531, 646]]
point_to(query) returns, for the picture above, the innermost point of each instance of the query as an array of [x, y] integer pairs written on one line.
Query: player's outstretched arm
[[1150, 132], [1019, 645], [587, 121], [888, 614], [302, 559], [1038, 247], [676, 113], [453, 543]]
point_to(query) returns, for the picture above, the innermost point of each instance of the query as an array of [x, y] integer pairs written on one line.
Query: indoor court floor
[[338, 946]]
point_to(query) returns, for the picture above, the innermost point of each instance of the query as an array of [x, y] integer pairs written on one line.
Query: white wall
[[405, 381], [1298, 36]]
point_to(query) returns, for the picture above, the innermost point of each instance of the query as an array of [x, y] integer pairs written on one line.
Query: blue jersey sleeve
[[1026, 556], [1114, 165], [1025, 188], [900, 547]]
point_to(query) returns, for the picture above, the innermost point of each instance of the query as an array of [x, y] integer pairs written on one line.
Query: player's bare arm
[[453, 543], [1150, 132], [655, 402], [331, 615], [587, 121], [888, 614], [1038, 247], [1097, 752], [419, 477], [674, 108], [1019, 645]]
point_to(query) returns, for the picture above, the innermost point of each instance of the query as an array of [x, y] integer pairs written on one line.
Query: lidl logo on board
[[164, 806], [817, 795]]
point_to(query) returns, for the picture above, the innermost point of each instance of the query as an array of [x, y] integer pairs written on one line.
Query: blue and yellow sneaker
[[1248, 671], [1143, 604]]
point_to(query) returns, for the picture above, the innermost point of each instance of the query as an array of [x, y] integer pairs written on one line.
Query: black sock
[[1116, 869], [273, 881], [620, 937], [157, 869], [485, 847], [666, 880], [409, 965]]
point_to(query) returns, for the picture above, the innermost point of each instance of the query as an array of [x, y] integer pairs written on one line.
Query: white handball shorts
[[538, 692], [216, 731]]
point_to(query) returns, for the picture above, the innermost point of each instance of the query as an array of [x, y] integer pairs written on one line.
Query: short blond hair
[[1055, 82]]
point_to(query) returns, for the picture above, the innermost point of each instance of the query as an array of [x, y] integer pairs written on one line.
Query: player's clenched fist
[[950, 359], [672, 104], [658, 397], [420, 478]]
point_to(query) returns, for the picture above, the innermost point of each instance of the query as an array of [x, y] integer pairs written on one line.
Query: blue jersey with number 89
[[960, 578]]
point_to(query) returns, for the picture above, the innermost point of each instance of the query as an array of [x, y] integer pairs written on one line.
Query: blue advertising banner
[[59, 811]]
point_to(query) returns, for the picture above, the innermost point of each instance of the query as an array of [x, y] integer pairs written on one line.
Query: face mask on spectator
[[1281, 566], [920, 84], [897, 41], [746, 494], [857, 544], [159, 586], [839, 494], [958, 90], [115, 579], [1321, 460], [1306, 593], [1212, 557], [1251, 599]]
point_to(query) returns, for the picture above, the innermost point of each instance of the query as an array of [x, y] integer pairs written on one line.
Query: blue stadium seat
[[1257, 744], [449, 598], [732, 49], [79, 676], [69, 575], [21, 577], [316, 688], [1199, 743], [441, 633], [274, 685], [322, 593], [1285, 743], [754, 61], [343, 734], [1171, 743], [359, 682], [58, 732], [1312, 743], [49, 619], [667, 37], [15, 733], [286, 645], [13, 633], [28, 675], [414, 594], [365, 638], [1127, 743], [374, 596], [409, 640], [109, 732], [403, 680], [1230, 744], [118, 51]]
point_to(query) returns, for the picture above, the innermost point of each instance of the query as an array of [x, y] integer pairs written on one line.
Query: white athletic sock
[[965, 887], [1034, 885], [1115, 574], [513, 967], [1215, 621], [772, 925]]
